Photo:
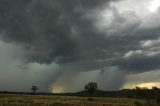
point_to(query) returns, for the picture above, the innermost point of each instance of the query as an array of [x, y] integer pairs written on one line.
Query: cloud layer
[[81, 36]]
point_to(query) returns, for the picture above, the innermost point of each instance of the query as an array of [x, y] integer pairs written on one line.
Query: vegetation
[[127, 97], [39, 100], [138, 103], [34, 89], [91, 87], [158, 98]]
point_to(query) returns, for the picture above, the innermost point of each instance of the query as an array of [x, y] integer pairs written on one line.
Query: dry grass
[[36, 100]]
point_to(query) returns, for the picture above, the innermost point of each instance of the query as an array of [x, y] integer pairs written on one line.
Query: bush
[[158, 99], [90, 99], [137, 103]]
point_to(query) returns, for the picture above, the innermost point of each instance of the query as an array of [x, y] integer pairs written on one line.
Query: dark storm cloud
[[45, 28], [139, 63], [145, 55], [64, 32], [40, 26], [53, 31], [66, 36], [134, 58]]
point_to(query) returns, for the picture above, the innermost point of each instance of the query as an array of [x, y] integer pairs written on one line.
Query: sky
[[61, 45]]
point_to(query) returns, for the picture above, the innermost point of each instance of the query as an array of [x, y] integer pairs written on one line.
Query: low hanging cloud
[[16, 75], [81, 36]]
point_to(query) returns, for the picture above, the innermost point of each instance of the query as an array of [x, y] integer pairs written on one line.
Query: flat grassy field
[[38, 100]]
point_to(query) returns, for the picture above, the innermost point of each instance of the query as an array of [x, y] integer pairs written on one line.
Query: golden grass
[[37, 100]]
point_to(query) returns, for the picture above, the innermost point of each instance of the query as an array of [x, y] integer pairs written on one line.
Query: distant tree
[[155, 88], [91, 87], [156, 93], [141, 92], [141, 88], [137, 88], [34, 89]]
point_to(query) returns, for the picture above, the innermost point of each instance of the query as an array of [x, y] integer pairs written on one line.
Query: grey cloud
[[16, 75], [144, 59], [141, 63], [64, 32], [132, 38], [144, 77], [44, 28]]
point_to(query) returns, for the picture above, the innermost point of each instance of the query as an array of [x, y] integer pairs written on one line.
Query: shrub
[[137, 103], [90, 99], [158, 99]]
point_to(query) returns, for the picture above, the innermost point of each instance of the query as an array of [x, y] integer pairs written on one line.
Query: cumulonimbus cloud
[[77, 35]]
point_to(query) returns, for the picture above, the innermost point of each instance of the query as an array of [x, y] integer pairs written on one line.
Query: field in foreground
[[37, 100]]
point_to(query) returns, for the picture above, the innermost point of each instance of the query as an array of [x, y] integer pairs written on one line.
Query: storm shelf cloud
[[46, 41]]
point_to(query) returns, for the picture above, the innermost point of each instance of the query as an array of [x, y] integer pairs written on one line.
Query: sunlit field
[[37, 100]]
